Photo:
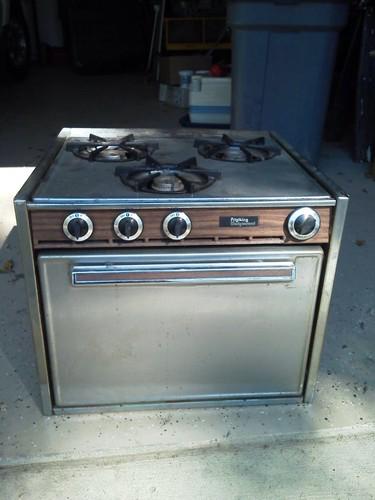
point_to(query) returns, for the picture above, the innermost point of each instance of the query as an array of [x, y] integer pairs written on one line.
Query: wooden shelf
[[195, 33]]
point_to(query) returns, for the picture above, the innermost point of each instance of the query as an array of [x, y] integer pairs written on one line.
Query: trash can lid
[[294, 14]]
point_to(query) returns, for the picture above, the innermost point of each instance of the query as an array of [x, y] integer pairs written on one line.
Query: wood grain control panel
[[190, 226]]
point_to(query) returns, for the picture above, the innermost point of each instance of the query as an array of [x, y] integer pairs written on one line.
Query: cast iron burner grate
[[99, 149], [167, 178], [252, 150]]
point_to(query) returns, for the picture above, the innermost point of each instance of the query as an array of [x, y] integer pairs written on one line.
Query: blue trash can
[[282, 63]]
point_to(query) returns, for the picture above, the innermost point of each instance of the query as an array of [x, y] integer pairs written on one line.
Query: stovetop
[[101, 175]]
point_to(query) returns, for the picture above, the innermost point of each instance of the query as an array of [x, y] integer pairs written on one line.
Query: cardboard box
[[171, 65]]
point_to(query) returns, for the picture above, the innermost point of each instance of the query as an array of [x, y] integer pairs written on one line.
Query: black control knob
[[78, 227], [128, 226], [304, 223], [177, 226]]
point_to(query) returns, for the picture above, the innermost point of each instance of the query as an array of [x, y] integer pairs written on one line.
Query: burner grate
[[167, 178], [250, 151], [99, 149]]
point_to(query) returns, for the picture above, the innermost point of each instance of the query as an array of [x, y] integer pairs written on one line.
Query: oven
[[178, 326], [214, 294]]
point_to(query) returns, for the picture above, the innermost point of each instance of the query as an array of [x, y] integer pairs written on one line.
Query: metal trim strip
[[244, 400], [31, 280], [120, 204], [325, 298], [34, 303]]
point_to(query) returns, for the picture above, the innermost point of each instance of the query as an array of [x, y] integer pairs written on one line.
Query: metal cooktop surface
[[87, 174]]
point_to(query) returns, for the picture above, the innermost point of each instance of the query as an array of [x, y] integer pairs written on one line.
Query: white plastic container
[[185, 78], [210, 100], [174, 95]]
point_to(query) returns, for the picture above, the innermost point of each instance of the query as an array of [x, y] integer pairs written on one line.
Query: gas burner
[[228, 149], [99, 149], [167, 178]]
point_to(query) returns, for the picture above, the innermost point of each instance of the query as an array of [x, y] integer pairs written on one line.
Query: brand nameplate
[[238, 221]]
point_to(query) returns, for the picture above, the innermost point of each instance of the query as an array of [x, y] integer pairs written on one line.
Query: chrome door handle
[[242, 272]]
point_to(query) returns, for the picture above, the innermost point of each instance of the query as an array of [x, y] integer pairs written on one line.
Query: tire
[[17, 48]]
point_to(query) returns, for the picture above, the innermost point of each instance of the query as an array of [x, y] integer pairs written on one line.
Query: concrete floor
[[325, 450]]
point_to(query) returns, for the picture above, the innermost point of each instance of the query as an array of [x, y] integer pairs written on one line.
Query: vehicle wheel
[[17, 48]]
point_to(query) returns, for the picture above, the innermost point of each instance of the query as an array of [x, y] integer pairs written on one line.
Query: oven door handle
[[192, 273]]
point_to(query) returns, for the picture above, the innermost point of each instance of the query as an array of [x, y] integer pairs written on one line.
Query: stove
[[177, 268]]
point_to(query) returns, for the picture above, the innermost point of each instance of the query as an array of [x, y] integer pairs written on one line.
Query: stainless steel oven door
[[178, 325]]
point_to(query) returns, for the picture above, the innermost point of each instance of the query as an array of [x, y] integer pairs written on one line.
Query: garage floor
[[325, 450]]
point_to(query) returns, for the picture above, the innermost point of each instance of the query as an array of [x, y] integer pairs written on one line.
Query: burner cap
[[230, 153], [167, 183], [252, 150]]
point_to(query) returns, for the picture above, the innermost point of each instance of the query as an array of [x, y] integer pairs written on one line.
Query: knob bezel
[[174, 215], [306, 211], [128, 215], [85, 218]]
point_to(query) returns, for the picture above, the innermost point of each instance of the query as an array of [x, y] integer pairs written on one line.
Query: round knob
[[128, 226], [78, 227], [177, 226], [303, 223]]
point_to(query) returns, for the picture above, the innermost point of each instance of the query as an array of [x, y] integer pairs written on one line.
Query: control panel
[[104, 228]]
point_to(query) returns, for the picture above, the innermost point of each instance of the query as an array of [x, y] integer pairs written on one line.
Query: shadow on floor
[[15, 334]]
